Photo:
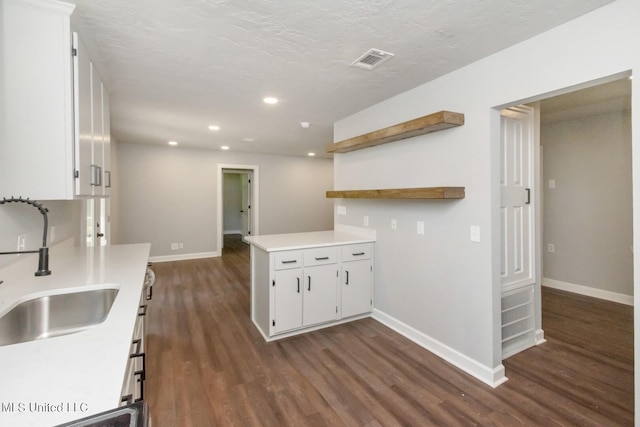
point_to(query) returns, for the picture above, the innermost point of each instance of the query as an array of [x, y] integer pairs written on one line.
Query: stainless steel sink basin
[[55, 315]]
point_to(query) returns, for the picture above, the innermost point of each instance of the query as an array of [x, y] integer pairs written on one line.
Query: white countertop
[[56, 380], [290, 241]]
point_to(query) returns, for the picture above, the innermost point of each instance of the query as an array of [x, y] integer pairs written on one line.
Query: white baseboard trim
[[588, 291], [540, 339], [491, 376], [232, 232], [182, 257]]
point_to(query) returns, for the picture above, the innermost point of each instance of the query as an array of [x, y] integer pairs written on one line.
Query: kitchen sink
[[55, 315]]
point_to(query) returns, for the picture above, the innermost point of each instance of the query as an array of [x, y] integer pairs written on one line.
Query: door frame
[[494, 119], [255, 202]]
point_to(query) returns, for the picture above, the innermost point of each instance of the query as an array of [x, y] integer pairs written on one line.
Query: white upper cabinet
[[92, 150], [48, 112]]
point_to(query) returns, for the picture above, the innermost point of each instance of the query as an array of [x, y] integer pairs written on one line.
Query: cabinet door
[[287, 313], [36, 102], [356, 286], [320, 294], [83, 118], [106, 143], [96, 132]]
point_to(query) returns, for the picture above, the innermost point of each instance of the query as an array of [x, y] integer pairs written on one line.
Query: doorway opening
[[582, 190], [238, 202]]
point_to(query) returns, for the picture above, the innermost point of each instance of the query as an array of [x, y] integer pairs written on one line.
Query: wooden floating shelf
[[401, 193], [431, 123]]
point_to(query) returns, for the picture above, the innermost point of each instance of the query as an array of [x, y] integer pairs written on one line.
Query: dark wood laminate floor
[[209, 366]]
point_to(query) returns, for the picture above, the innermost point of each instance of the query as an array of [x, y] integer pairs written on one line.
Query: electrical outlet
[[551, 248], [552, 183], [22, 242], [341, 210], [394, 224], [174, 246], [474, 233], [180, 246], [420, 227]]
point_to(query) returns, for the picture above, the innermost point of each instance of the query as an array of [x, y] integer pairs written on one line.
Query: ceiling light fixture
[[248, 139], [305, 125], [173, 143], [311, 154], [224, 147], [270, 100], [214, 127]]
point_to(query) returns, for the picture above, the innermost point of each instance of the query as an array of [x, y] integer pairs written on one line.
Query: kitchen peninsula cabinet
[[54, 108], [306, 281]]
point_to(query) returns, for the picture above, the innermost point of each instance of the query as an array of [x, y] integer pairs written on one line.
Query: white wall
[[588, 215], [21, 219], [168, 195], [441, 286]]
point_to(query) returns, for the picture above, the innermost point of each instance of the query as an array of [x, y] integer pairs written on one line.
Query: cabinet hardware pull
[[347, 282], [291, 261], [150, 294], [309, 288], [94, 175], [141, 380], [144, 310], [528, 190], [107, 178], [298, 279], [324, 258], [138, 344], [142, 372], [358, 254]]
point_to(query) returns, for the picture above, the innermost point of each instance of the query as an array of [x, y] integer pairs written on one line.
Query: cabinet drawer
[[287, 259], [356, 252], [321, 256]]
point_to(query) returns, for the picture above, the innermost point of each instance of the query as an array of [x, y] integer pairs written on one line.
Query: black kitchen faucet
[[43, 252]]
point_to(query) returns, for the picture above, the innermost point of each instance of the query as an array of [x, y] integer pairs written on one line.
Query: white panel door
[[320, 294], [517, 197], [246, 203]]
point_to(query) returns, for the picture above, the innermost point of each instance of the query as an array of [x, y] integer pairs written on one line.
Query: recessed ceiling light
[[248, 139], [224, 147], [311, 154], [305, 125], [214, 127], [270, 100], [173, 143]]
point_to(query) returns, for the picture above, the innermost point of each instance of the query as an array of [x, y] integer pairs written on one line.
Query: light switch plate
[[394, 224], [474, 233], [420, 227], [365, 221]]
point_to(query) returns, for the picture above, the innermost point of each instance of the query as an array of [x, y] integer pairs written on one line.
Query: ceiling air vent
[[372, 59]]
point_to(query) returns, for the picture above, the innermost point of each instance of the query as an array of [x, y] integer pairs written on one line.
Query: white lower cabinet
[[298, 290], [133, 385], [304, 296]]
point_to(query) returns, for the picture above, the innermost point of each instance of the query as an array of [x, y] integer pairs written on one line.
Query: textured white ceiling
[[177, 66]]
